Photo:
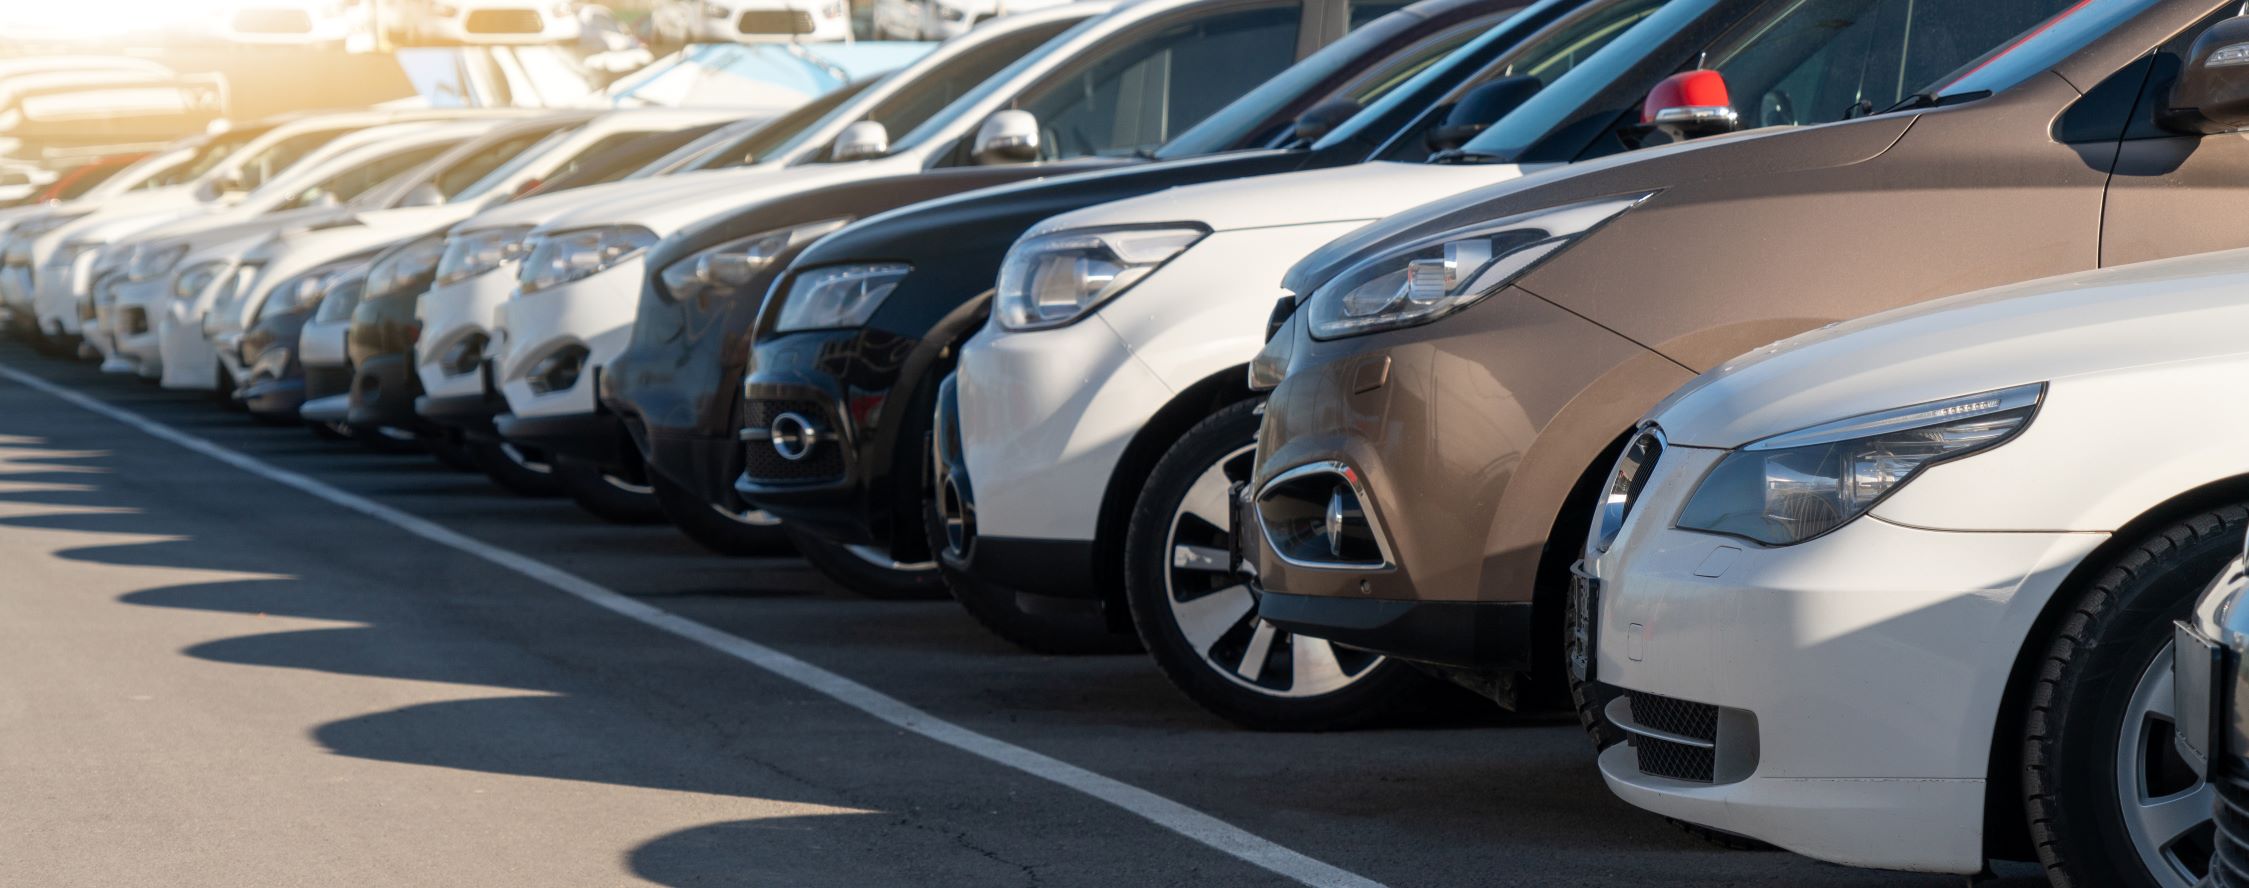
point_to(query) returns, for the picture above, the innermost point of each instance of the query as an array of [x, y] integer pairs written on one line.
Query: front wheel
[[1198, 617], [612, 496], [2109, 798], [867, 570]]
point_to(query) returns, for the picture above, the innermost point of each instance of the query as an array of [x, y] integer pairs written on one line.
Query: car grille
[[1665, 758], [774, 21], [505, 21], [764, 465], [2229, 866], [273, 21]]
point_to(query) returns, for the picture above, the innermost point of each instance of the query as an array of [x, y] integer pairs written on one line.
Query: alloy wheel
[[1215, 606], [2163, 798]]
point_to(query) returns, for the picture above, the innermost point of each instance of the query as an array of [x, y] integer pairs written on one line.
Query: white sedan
[[1871, 591]]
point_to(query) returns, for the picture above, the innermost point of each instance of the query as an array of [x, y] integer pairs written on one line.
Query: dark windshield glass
[[1245, 117], [773, 138], [2041, 48], [1563, 99], [968, 101]]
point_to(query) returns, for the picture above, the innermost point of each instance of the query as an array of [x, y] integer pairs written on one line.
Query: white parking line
[[1163, 812]]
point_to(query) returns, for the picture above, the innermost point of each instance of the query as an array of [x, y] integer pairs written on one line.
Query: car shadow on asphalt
[[581, 696]]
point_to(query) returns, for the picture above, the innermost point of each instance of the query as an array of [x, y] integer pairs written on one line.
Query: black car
[[674, 387], [274, 389]]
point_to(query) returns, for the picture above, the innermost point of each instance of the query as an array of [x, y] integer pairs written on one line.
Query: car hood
[[2105, 321], [1336, 194], [668, 209], [1745, 155]]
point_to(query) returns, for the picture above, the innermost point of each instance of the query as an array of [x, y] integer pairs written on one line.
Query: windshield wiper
[[1915, 102], [1464, 156], [1144, 153]]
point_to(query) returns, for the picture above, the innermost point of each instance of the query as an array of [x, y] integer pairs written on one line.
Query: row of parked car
[[1338, 351]]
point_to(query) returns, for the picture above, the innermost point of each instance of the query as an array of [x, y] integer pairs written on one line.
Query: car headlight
[[1435, 276], [406, 268], [197, 278], [1054, 279], [155, 261], [472, 253], [565, 256], [736, 263], [343, 296], [1789, 488], [838, 296]]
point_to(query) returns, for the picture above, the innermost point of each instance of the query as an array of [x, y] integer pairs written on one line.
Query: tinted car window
[[352, 183], [1377, 45], [1547, 56], [634, 157], [1140, 94], [927, 95], [1825, 60], [279, 155], [513, 163], [451, 180], [778, 136]]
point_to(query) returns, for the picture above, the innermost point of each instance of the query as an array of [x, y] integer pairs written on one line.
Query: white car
[[477, 173], [753, 21], [319, 191], [943, 19], [500, 21], [228, 168], [323, 22], [170, 166], [1871, 591], [483, 252]]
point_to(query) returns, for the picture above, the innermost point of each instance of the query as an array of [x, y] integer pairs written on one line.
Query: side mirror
[[1009, 136], [2211, 94], [1479, 109], [1322, 119], [1690, 104], [423, 195], [861, 141]]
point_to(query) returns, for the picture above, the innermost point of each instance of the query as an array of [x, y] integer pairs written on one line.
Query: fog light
[[1316, 516], [557, 372], [465, 356]]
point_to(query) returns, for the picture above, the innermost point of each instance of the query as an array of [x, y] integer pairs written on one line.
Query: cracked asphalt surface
[[214, 679]]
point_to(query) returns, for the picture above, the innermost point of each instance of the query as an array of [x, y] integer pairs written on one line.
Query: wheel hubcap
[[1215, 607], [2164, 799]]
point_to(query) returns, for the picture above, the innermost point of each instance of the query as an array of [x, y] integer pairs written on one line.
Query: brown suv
[[1453, 381]]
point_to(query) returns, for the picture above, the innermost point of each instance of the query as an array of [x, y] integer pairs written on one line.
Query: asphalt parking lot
[[221, 673]]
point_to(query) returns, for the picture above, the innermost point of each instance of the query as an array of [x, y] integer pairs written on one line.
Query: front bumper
[[594, 314], [452, 315], [383, 389], [1846, 689], [188, 358], [597, 438], [840, 384], [132, 323], [1470, 435]]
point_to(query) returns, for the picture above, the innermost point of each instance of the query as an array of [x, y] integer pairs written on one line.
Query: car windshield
[[514, 165], [1241, 120], [1563, 99], [1549, 56], [2040, 48], [1807, 62], [969, 101], [777, 137]]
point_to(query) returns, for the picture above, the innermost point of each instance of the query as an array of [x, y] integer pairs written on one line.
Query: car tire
[[453, 453], [861, 573], [994, 608], [2099, 695], [516, 471], [1589, 698], [724, 534], [608, 495], [1327, 688]]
